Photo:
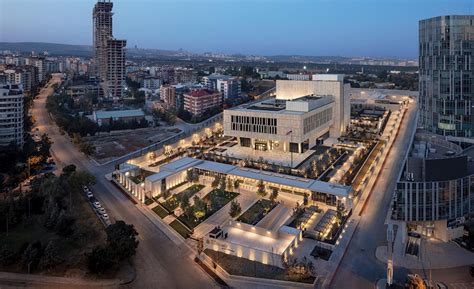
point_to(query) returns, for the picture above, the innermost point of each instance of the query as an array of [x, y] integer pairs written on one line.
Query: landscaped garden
[[206, 207], [182, 230], [257, 211], [160, 211], [173, 201]]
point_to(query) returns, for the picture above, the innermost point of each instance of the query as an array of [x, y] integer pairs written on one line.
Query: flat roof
[[158, 176], [280, 106], [118, 113], [266, 176], [259, 242], [180, 164]]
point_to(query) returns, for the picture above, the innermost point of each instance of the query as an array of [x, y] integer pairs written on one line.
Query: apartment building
[[168, 95], [11, 115], [198, 101]]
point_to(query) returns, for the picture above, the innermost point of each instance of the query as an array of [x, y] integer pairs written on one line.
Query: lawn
[[162, 213], [182, 230], [173, 202], [256, 212], [215, 200], [148, 201], [244, 267]]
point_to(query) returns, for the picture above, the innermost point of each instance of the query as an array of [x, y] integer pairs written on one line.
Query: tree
[[274, 194], [235, 209], [69, 169], [50, 256], [222, 184], [79, 179], [215, 183], [236, 184], [100, 259], [65, 224], [184, 202], [192, 176], [261, 189], [31, 256], [200, 208], [122, 240], [44, 146]]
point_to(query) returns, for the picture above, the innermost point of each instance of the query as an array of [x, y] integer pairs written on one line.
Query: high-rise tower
[[446, 75], [109, 54]]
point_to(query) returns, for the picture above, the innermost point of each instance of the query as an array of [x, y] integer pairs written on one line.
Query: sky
[[371, 28]]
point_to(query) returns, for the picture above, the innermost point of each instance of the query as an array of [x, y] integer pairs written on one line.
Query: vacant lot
[[115, 144]]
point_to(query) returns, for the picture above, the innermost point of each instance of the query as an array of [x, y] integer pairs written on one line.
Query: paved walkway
[[246, 199], [168, 219]]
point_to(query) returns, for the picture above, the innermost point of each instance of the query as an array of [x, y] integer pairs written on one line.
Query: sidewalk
[[434, 254]]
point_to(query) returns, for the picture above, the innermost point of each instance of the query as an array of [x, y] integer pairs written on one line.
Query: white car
[[105, 216], [101, 210], [89, 194], [85, 189], [97, 205]]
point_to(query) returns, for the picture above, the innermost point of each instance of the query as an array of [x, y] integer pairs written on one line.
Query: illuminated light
[[239, 251], [268, 232], [265, 258], [252, 255]]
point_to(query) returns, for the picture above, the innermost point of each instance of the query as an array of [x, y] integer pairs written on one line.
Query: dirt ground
[[109, 146]]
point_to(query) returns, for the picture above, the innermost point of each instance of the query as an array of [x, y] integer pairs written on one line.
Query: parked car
[[105, 216], [101, 210], [85, 188], [96, 205], [89, 194]]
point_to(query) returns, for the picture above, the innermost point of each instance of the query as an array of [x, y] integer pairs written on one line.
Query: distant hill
[[75, 50], [52, 48]]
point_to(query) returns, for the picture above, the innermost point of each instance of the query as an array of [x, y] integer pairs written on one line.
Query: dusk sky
[[378, 28]]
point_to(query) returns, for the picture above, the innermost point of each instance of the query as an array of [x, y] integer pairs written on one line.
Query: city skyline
[[167, 25]]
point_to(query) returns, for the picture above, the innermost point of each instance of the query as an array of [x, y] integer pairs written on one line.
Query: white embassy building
[[304, 113]]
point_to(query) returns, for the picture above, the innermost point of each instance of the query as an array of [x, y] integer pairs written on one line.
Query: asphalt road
[[360, 268], [159, 262]]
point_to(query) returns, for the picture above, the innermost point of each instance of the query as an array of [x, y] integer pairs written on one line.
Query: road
[[159, 262], [360, 268]]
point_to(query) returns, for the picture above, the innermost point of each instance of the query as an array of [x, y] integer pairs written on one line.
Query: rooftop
[[200, 92], [299, 105], [271, 177], [248, 238], [118, 113]]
